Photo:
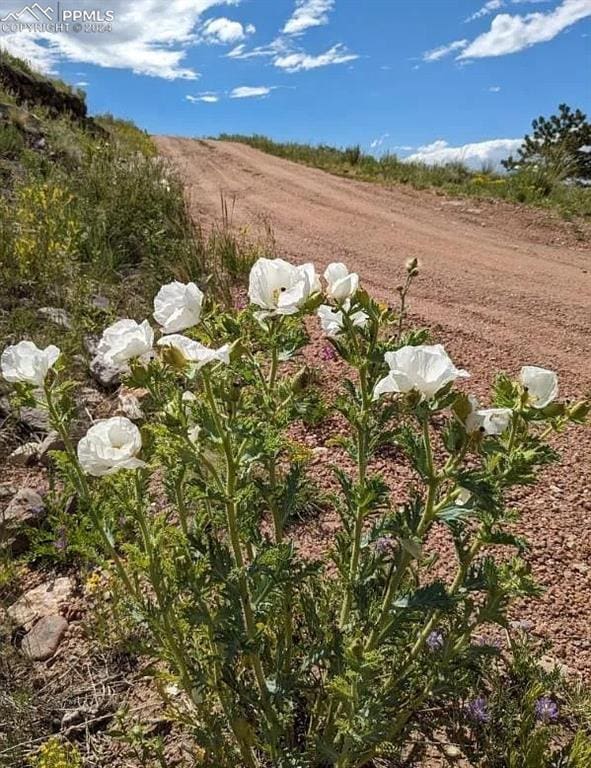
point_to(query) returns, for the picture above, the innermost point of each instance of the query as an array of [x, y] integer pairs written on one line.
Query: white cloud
[[282, 51], [149, 37], [492, 5], [274, 48], [495, 89], [81, 84], [308, 13], [226, 31], [473, 155], [379, 141], [209, 97], [300, 60], [438, 53], [250, 91], [509, 34]]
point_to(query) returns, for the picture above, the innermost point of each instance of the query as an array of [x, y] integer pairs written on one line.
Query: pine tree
[[562, 140]]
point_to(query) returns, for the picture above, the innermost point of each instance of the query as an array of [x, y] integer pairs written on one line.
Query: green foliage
[[525, 721], [279, 660], [87, 210], [557, 147], [11, 142], [56, 754], [533, 185]]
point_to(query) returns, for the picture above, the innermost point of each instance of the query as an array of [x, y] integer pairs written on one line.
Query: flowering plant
[[272, 658]]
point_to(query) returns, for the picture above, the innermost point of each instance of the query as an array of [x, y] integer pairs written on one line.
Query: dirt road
[[500, 285]]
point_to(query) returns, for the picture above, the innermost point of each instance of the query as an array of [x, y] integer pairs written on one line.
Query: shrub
[[270, 658], [55, 754], [11, 142]]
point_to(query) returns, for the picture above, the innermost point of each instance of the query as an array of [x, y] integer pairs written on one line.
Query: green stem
[[84, 490], [232, 524], [397, 575], [362, 461]]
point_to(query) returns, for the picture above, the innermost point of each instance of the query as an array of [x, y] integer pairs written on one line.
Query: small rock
[[522, 625], [581, 567], [25, 510], [129, 403], [319, 453], [450, 751], [43, 600], [91, 345], [43, 640], [24, 456], [104, 374], [36, 419], [53, 442], [7, 490], [57, 316], [550, 663], [100, 302]]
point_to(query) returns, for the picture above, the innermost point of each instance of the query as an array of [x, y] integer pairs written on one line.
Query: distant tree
[[562, 141]]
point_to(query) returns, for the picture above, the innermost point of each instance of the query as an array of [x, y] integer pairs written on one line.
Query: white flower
[[279, 287], [493, 421], [424, 368], [125, 340], [110, 445], [332, 322], [195, 352], [25, 362], [541, 385], [341, 284], [177, 306]]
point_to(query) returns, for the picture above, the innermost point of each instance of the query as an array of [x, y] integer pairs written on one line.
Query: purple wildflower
[[62, 540], [477, 710], [385, 545], [328, 353], [435, 641], [546, 710]]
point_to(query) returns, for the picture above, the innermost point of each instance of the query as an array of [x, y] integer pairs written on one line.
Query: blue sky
[[437, 79]]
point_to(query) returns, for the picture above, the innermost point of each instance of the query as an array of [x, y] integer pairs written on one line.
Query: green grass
[[532, 187], [95, 212]]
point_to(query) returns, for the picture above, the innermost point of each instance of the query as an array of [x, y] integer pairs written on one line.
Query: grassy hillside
[[535, 187], [92, 222]]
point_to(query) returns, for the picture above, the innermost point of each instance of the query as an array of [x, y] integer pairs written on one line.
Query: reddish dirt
[[500, 286]]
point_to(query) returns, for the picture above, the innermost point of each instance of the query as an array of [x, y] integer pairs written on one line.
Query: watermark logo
[[30, 13], [37, 17]]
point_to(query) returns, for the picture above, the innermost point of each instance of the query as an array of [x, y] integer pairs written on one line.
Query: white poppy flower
[[341, 284], [541, 385], [195, 352], [177, 306], [332, 322], [110, 445], [425, 368], [125, 340], [494, 421], [25, 362], [279, 287]]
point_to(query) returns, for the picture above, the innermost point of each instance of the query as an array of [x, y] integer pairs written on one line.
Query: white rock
[[41, 601]]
